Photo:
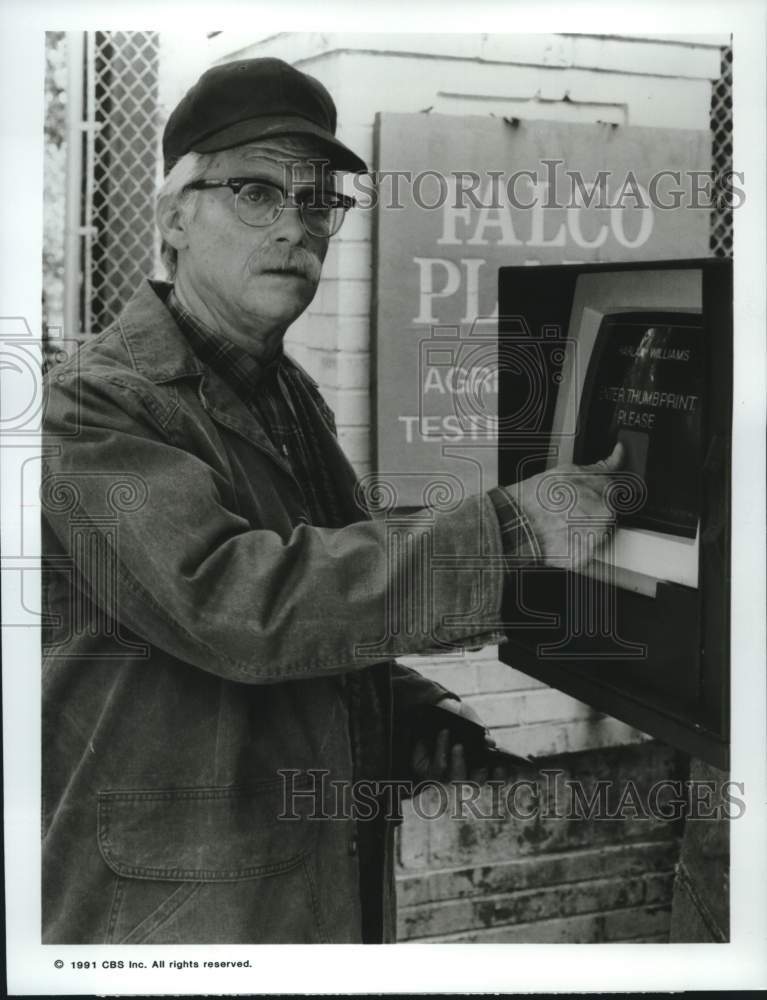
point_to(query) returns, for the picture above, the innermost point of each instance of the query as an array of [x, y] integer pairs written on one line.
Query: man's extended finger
[[457, 763], [479, 775], [612, 463], [420, 760], [615, 459], [439, 760]]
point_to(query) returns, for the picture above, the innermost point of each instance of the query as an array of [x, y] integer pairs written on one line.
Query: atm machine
[[639, 353]]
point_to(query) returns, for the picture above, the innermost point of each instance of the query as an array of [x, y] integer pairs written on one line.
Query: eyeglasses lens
[[261, 204]]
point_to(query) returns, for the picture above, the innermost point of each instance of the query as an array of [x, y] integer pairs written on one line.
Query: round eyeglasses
[[260, 203]]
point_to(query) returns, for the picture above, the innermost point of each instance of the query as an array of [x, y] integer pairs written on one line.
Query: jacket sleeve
[[411, 690], [193, 577]]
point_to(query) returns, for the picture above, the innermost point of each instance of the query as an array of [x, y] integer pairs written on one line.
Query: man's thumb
[[615, 459]]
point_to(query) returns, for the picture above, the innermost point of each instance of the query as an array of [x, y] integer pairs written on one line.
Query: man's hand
[[444, 755], [541, 497], [442, 759]]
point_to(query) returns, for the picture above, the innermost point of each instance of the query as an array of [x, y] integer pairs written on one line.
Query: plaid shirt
[[275, 393], [520, 545]]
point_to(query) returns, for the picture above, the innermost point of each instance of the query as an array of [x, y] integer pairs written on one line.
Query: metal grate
[[121, 153], [721, 155]]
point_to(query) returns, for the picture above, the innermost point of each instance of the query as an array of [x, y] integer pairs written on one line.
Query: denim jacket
[[201, 637]]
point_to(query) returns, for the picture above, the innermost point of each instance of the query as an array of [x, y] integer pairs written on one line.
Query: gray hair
[[189, 168]]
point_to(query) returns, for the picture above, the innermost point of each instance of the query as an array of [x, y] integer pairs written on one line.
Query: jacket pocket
[[207, 865]]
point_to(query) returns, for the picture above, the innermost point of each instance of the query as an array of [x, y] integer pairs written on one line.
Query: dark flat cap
[[254, 99]]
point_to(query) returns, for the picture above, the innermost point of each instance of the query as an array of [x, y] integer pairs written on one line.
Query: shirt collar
[[158, 348], [232, 362]]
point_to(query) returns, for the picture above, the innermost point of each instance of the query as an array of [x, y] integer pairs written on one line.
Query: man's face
[[254, 276]]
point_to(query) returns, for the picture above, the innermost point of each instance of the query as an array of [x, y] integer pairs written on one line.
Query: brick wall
[[546, 879], [523, 714], [577, 891]]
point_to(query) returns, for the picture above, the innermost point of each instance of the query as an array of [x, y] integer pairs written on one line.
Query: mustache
[[297, 260]]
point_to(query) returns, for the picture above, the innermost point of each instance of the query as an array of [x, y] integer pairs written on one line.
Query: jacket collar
[[158, 349], [160, 352]]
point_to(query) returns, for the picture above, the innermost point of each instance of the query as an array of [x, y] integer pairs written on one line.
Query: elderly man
[[220, 605]]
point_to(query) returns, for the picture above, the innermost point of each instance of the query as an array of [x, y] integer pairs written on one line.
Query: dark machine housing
[[640, 353]]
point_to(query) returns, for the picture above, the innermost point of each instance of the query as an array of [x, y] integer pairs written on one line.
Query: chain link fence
[[120, 169], [102, 124], [721, 154]]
